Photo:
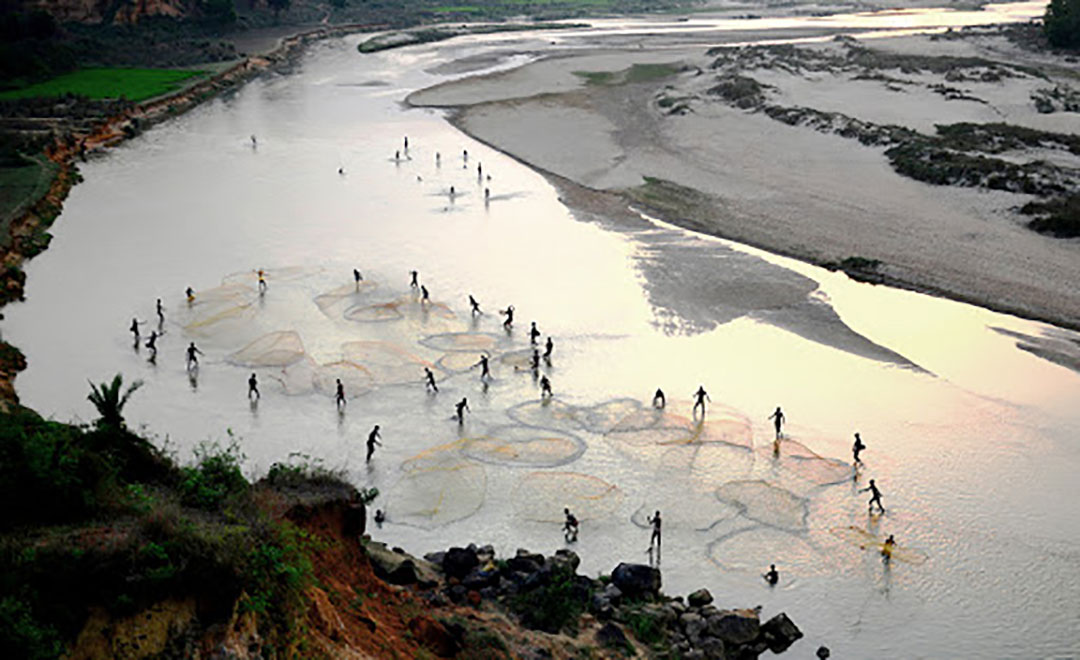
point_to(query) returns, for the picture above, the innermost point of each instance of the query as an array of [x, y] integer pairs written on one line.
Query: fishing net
[[766, 503], [435, 496], [217, 312], [606, 416], [797, 460], [376, 313], [456, 363], [283, 274], [472, 342], [705, 466], [297, 379], [387, 363], [684, 510], [548, 413], [356, 379], [865, 540], [407, 306], [520, 359], [541, 496], [752, 550], [648, 426], [276, 349], [333, 303], [523, 446]]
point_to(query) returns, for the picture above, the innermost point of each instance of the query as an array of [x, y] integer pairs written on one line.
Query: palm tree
[[106, 398]]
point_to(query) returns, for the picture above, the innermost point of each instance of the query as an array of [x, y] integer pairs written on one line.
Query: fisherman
[[438, 159], [339, 395], [160, 313], [570, 527], [475, 305], [534, 334], [887, 548], [430, 380], [190, 295], [655, 538], [487, 194], [485, 372], [778, 420], [415, 281], [380, 517], [479, 171], [406, 143], [465, 155], [857, 448], [371, 442], [135, 323], [534, 363], [192, 353], [700, 396], [424, 296], [254, 142], [151, 343], [357, 277], [397, 156], [772, 577], [875, 497], [253, 387], [545, 387], [341, 171], [262, 281], [658, 400], [461, 407], [549, 346], [509, 312]]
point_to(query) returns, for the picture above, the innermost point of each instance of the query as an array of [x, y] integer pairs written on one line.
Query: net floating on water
[[407, 306], [866, 540], [684, 509], [793, 458], [751, 551], [333, 303], [766, 503], [541, 496], [472, 342], [549, 413], [524, 446], [437, 496], [224, 310], [276, 349], [456, 363], [387, 363], [355, 378]]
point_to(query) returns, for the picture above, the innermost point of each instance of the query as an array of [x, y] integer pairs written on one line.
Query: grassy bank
[[105, 83], [22, 184]]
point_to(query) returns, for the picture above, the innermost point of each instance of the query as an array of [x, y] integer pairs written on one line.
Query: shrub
[[555, 605], [215, 476], [1062, 23], [22, 636]]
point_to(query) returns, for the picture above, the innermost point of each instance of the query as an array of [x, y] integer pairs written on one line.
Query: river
[[970, 438]]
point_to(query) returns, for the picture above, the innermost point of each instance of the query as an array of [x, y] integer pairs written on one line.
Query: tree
[[110, 405], [1062, 23], [278, 6]]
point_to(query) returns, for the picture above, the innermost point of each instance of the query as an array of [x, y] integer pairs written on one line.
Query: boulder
[[611, 636], [525, 562], [354, 519], [567, 558], [780, 632], [612, 593], [479, 579], [693, 625], [712, 648], [404, 575], [458, 562], [435, 558], [734, 626], [433, 636], [636, 580], [699, 598]]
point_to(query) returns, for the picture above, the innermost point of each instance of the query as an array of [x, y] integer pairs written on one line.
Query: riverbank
[[776, 147]]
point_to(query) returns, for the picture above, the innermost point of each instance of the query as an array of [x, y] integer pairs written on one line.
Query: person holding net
[[509, 313], [372, 440], [534, 334], [699, 400], [654, 540], [658, 399], [485, 370], [570, 527], [474, 305], [857, 449], [875, 497], [545, 388], [339, 394], [460, 407], [778, 420], [430, 377], [192, 356]]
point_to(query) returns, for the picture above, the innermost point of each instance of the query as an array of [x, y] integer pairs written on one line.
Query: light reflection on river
[[975, 452]]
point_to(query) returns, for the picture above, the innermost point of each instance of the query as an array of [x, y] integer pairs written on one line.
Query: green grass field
[[20, 187], [133, 84]]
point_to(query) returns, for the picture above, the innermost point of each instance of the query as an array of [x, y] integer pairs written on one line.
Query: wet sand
[[792, 190]]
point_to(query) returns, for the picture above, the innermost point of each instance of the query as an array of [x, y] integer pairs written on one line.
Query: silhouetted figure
[[509, 313], [424, 297], [465, 155], [254, 142], [380, 517], [699, 400], [823, 653], [658, 399], [438, 159], [339, 394], [430, 380], [654, 540], [534, 363], [549, 346], [341, 171], [461, 407], [479, 171], [545, 387], [875, 497], [192, 355], [570, 527], [475, 305], [160, 313], [151, 343], [262, 281], [485, 372], [357, 277], [534, 334], [857, 448], [772, 577], [372, 440], [487, 194], [253, 387], [190, 293], [887, 548], [414, 282], [778, 420], [135, 323], [397, 156], [406, 143]]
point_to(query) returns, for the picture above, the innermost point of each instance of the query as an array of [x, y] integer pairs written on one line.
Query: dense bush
[[1062, 23], [215, 476], [555, 604]]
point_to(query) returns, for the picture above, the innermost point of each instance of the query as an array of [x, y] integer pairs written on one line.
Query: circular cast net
[[333, 303], [648, 426], [456, 363], [408, 306], [282, 274], [684, 510], [766, 503], [541, 496], [704, 466], [276, 349], [524, 446], [297, 379], [795, 459], [866, 540], [472, 342], [225, 310], [752, 550], [519, 359], [355, 378], [550, 413], [435, 496], [387, 363], [606, 416], [376, 313]]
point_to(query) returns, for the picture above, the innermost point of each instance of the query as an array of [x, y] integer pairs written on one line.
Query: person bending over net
[[772, 577], [485, 371], [545, 388], [699, 400], [875, 497], [570, 527], [339, 394], [431, 386], [857, 448], [778, 420], [193, 356], [474, 305], [534, 334], [372, 440], [460, 408], [658, 400], [509, 313]]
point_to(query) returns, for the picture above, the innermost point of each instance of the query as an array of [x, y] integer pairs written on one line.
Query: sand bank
[[802, 190]]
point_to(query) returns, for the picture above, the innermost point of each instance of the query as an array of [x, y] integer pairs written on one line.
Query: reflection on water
[[975, 455]]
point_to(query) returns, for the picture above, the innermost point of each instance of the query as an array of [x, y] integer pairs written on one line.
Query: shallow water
[[970, 438]]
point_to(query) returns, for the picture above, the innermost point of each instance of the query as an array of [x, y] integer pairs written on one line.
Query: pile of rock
[[691, 628]]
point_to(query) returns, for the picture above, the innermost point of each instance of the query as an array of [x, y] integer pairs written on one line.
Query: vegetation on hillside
[[131, 84], [1062, 23]]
